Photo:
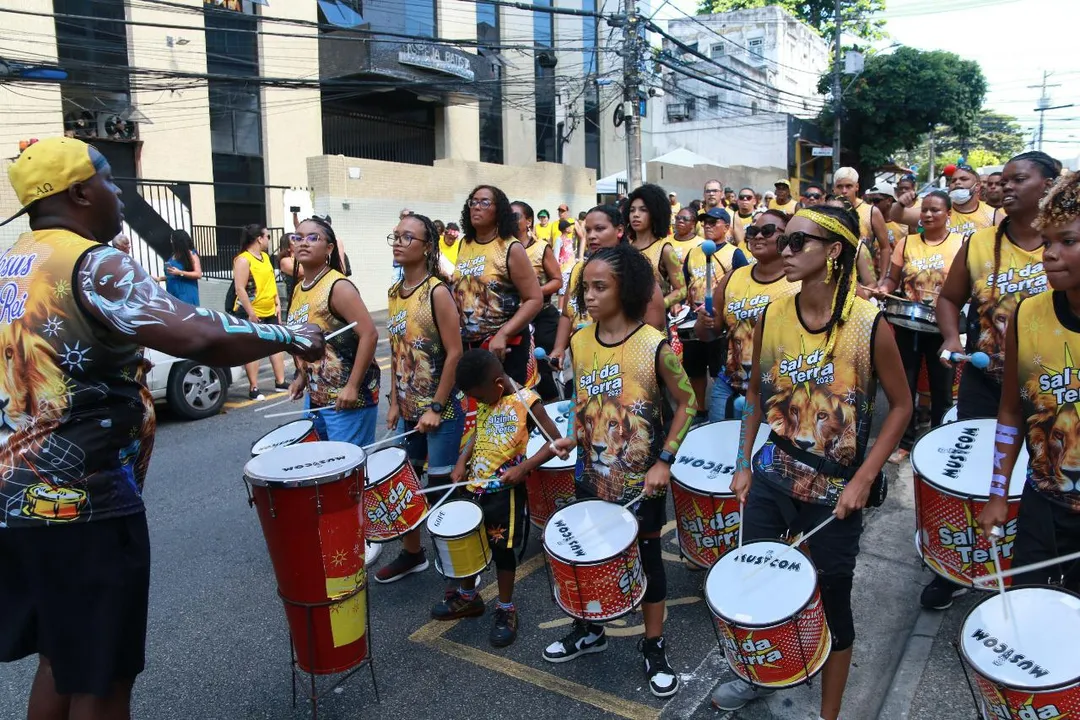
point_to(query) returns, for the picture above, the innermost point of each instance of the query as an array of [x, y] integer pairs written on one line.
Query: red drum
[[596, 572], [292, 433], [706, 512], [393, 503], [551, 486], [308, 498], [952, 465], [769, 614]]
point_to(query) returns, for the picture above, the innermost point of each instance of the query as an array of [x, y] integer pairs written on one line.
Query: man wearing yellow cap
[[77, 427]]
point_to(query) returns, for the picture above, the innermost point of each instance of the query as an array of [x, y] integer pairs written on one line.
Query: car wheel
[[195, 390]]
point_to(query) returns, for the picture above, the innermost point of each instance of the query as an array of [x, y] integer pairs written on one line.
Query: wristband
[[999, 485], [1005, 434], [946, 355]]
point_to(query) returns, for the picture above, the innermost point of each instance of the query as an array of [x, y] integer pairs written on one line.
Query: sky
[[1013, 41]]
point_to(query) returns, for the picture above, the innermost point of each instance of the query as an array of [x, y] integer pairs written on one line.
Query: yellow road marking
[[236, 404]]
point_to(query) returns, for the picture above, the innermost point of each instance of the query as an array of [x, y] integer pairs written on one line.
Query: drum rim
[[675, 480], [308, 480], [918, 474], [966, 582], [460, 535], [371, 482], [1021, 689], [624, 613], [897, 302], [761, 626], [309, 421], [587, 563]]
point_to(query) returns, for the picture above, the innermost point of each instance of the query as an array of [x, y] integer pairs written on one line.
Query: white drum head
[[773, 594], [304, 464], [537, 441], [960, 457], [590, 531], [382, 463], [1022, 640], [706, 460], [680, 317], [949, 416], [287, 434], [455, 518]]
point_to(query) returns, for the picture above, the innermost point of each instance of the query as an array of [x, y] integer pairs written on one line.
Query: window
[[689, 46], [756, 44], [590, 40], [235, 124], [714, 102], [679, 111], [716, 51], [544, 93], [408, 17], [491, 116]]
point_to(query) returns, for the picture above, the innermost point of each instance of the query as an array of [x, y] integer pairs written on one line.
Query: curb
[[909, 671]]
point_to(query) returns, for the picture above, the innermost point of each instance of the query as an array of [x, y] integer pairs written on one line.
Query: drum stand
[[979, 715], [312, 693]]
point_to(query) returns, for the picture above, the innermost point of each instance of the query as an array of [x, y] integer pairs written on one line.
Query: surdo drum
[[551, 486], [291, 433]]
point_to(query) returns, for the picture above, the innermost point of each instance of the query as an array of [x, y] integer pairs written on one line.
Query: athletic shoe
[[253, 393], [663, 682], [939, 594], [582, 640], [281, 385], [736, 693], [504, 631], [404, 564], [455, 607]]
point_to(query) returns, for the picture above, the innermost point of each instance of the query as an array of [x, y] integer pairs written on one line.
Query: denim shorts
[[356, 426], [441, 448], [718, 402]]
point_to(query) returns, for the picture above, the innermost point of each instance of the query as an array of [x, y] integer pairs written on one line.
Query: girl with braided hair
[[1039, 402], [425, 346], [818, 356]]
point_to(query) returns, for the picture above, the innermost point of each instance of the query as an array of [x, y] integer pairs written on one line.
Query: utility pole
[[1044, 105], [837, 76], [930, 176], [631, 95]]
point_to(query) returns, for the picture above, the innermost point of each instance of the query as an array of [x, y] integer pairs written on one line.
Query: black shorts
[[978, 395], [702, 359], [77, 594], [650, 512], [504, 515], [1046, 530], [516, 360]]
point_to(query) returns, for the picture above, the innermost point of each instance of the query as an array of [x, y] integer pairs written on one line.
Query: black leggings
[[915, 347], [545, 327]]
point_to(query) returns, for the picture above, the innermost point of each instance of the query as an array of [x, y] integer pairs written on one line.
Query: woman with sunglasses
[[549, 275], [495, 286], [820, 351], [738, 301], [920, 264], [648, 215], [347, 379], [686, 235]]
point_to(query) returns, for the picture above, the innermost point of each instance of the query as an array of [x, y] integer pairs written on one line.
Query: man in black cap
[[77, 428]]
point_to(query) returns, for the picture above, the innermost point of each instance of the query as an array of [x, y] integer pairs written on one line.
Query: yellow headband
[[829, 223]]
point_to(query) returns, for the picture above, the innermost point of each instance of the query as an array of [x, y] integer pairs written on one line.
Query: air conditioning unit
[[678, 111]]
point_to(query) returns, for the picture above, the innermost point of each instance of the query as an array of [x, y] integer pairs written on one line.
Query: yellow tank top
[[501, 439], [578, 315], [450, 252], [824, 405], [536, 258], [262, 273], [896, 232], [327, 377], [788, 207], [655, 255], [967, 223], [1048, 347], [744, 300], [694, 272], [682, 247], [994, 298], [744, 220], [417, 354], [618, 401], [484, 292], [865, 212], [925, 266]]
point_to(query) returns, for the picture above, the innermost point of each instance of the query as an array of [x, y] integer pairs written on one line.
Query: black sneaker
[[582, 640], [404, 564], [504, 631], [663, 682], [281, 385], [455, 607], [253, 393], [939, 594]]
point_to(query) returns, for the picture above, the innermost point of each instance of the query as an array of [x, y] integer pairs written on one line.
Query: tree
[[898, 97], [995, 133], [859, 17]]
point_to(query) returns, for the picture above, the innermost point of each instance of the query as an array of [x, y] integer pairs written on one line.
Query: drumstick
[[742, 515], [987, 579], [451, 486], [385, 439], [264, 408], [337, 332], [300, 412], [790, 548], [997, 567], [891, 297], [517, 391]]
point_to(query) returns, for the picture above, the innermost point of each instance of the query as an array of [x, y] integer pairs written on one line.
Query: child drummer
[[621, 368], [1039, 403], [494, 466]]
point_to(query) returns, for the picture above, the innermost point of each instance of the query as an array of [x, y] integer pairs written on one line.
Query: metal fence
[[218, 246]]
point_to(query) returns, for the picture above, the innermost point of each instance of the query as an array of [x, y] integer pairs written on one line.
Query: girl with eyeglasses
[[818, 356], [739, 299], [495, 286], [549, 275], [348, 376]]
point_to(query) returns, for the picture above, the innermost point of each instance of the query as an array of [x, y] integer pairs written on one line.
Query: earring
[[829, 266]]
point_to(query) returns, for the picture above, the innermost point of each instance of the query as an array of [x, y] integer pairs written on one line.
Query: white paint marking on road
[[696, 687]]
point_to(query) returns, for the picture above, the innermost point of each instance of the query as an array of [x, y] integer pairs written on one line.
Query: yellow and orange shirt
[[486, 296], [500, 439], [924, 266]]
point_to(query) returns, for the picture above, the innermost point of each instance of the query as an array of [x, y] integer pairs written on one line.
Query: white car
[[192, 389]]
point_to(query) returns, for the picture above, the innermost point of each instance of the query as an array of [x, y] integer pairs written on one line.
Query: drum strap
[[878, 491]]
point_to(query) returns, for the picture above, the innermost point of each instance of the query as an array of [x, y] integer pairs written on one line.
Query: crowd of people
[[638, 305]]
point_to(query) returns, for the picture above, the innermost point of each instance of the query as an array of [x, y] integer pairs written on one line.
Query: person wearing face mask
[[873, 234], [968, 212]]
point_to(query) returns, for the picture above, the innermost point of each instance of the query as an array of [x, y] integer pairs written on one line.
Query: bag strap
[[815, 462]]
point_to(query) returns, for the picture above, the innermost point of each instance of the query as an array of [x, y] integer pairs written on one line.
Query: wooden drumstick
[[790, 548], [997, 567], [881, 294], [264, 408], [386, 439], [742, 519]]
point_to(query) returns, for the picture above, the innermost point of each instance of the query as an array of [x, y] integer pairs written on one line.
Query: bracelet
[[999, 485]]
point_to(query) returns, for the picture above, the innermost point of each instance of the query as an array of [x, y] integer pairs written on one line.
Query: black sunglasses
[[746, 197], [765, 231], [813, 196], [796, 240]]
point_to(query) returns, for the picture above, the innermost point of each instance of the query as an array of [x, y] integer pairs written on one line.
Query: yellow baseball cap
[[48, 167]]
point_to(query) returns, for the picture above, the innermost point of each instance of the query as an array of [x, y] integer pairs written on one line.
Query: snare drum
[[952, 466], [393, 502], [707, 515], [772, 623], [911, 315], [293, 433], [685, 330], [591, 547], [308, 499], [1019, 647], [551, 486], [459, 538]]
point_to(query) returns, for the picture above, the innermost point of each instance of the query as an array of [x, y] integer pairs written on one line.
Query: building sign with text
[[439, 59]]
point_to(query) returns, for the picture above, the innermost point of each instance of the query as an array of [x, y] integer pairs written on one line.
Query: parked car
[[192, 389]]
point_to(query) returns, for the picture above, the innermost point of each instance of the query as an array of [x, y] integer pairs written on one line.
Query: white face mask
[[959, 196]]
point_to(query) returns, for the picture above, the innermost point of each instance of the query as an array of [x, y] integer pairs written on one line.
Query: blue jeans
[[356, 426], [441, 448], [718, 403]]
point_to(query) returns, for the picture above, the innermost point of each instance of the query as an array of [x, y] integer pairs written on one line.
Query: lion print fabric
[[76, 423], [617, 403], [994, 297], [744, 300], [925, 266], [823, 405], [1048, 344], [485, 295]]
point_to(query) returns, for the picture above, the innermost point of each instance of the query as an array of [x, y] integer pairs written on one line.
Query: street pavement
[[218, 645]]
